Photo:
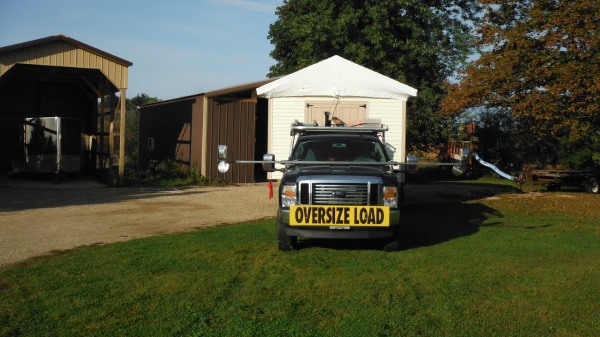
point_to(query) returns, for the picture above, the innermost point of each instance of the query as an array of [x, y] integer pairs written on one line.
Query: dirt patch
[[38, 217]]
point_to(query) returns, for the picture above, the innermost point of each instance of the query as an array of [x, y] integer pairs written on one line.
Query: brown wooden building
[[60, 76], [190, 128]]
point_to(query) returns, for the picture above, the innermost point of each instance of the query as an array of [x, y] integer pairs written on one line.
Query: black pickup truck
[[339, 185]]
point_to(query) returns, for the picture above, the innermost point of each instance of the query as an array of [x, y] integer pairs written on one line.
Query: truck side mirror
[[465, 155], [411, 169], [222, 155], [269, 167], [222, 152]]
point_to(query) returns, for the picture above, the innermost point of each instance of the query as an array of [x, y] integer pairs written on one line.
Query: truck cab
[[338, 187]]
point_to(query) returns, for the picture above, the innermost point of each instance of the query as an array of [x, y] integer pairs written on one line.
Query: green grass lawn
[[512, 265]]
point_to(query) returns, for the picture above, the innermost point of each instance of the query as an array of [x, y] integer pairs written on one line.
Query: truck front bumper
[[326, 232]]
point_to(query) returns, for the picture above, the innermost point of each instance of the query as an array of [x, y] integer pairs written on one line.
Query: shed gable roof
[[61, 37], [62, 51], [337, 77]]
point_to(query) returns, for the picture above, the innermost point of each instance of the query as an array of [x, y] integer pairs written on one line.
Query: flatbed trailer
[[552, 179], [555, 179]]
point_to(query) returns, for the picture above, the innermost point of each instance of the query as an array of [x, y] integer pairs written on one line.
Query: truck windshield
[[341, 149]]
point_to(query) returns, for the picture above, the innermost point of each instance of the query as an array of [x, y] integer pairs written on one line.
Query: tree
[[542, 65], [419, 43], [133, 124]]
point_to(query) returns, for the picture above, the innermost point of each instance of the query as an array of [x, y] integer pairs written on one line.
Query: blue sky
[[178, 48]]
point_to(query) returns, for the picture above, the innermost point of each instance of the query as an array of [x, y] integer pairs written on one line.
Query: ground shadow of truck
[[422, 226]]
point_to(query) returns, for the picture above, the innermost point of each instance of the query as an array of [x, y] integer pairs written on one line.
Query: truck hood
[[296, 172]]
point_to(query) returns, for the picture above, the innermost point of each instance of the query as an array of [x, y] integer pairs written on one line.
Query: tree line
[[533, 90]]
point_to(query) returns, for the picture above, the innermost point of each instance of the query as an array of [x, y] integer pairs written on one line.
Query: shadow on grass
[[452, 192], [422, 226]]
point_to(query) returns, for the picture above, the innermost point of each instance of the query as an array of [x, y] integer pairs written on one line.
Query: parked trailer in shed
[[47, 145]]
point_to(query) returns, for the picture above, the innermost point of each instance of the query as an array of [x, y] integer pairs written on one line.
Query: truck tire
[[591, 186], [286, 242], [393, 244]]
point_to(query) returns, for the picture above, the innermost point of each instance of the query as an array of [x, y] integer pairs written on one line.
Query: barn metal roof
[[219, 92], [68, 40]]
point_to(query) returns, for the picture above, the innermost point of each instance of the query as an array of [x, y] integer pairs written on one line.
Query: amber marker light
[[389, 192], [390, 197], [288, 196]]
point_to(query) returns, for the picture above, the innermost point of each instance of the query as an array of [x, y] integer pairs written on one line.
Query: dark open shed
[[180, 129], [62, 77]]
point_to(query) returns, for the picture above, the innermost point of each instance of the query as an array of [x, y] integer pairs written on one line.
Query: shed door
[[348, 111]]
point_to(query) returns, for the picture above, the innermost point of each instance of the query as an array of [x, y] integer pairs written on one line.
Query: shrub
[[169, 173]]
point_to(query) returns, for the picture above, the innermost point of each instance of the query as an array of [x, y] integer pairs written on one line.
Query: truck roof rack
[[299, 128]]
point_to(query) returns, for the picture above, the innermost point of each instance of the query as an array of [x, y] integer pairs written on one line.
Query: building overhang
[[92, 81]]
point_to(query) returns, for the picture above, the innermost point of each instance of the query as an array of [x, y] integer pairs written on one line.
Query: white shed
[[345, 89]]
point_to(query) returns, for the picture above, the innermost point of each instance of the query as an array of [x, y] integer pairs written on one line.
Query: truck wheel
[[393, 245], [591, 186], [286, 242]]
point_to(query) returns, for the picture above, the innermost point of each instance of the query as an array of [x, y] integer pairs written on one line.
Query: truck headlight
[[390, 197], [288, 196]]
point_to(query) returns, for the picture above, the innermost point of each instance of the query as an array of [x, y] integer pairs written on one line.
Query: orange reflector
[[389, 195], [289, 194]]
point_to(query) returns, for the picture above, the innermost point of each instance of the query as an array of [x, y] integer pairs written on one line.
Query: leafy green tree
[[419, 43], [542, 64], [132, 120]]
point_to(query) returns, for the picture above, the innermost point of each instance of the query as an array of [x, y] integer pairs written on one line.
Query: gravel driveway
[[37, 217]]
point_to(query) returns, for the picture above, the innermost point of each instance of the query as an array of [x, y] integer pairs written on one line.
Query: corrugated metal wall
[[231, 124], [197, 124], [61, 53], [170, 125]]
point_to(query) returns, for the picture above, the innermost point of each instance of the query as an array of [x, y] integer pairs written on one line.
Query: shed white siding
[[391, 113], [285, 110]]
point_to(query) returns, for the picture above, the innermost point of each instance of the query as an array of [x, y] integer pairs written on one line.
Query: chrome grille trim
[[322, 194]]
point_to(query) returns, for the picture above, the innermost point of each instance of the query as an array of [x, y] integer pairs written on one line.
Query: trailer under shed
[[61, 77], [189, 129]]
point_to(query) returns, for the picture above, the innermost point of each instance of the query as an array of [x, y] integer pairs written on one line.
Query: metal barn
[[190, 128], [58, 76]]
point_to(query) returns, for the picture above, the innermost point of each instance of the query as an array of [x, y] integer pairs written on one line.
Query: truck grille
[[325, 194]]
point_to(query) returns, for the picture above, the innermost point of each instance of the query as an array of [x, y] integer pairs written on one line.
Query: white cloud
[[265, 7]]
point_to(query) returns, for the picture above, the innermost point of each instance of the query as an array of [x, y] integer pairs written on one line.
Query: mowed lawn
[[514, 264]]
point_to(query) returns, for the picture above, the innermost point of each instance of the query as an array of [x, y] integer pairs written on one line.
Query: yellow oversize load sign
[[372, 216]]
